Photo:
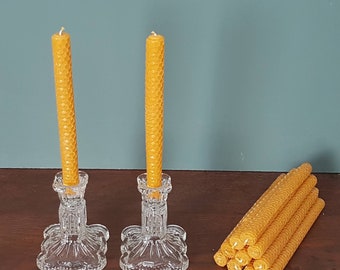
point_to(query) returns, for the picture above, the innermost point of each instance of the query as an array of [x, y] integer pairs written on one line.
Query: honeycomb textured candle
[[220, 259], [298, 236], [154, 87], [234, 237], [242, 257], [226, 250], [266, 261], [61, 47], [257, 250], [233, 264], [292, 181]]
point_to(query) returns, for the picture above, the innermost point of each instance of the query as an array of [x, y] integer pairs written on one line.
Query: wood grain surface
[[207, 204]]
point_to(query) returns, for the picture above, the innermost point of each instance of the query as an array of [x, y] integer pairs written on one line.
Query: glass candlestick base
[[154, 244], [72, 244]]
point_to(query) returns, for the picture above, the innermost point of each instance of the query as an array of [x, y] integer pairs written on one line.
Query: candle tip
[[153, 33], [61, 30]]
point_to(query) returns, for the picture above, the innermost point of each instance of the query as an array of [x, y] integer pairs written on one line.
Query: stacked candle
[[154, 87], [61, 47], [270, 232]]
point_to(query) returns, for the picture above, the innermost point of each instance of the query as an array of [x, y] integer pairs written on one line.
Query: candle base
[[154, 244], [72, 244]]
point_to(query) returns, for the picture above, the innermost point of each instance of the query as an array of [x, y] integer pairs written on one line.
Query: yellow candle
[[61, 48], [220, 259], [154, 86], [298, 236]]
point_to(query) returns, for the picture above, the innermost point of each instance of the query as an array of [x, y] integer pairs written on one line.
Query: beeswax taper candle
[[61, 48], [154, 87]]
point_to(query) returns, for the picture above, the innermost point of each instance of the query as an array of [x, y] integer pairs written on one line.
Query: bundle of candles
[[270, 232]]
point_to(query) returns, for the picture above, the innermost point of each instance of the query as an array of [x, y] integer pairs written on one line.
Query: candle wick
[[153, 33], [61, 30]]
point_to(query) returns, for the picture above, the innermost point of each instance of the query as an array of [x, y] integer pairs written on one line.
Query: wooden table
[[206, 204]]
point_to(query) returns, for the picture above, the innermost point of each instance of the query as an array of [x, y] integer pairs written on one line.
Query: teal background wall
[[249, 85]]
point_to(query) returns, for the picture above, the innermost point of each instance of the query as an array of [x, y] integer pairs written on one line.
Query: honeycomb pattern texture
[[299, 235], [279, 198], [232, 242], [154, 88], [280, 242], [61, 48], [234, 237], [286, 211], [256, 251]]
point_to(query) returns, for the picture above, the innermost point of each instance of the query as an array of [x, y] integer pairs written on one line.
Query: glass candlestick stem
[[72, 244]]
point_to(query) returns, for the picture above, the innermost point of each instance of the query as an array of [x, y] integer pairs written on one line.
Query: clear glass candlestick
[[72, 244], [154, 244]]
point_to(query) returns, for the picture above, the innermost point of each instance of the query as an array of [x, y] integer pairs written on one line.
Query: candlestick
[[72, 244], [154, 245], [61, 48], [154, 85]]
